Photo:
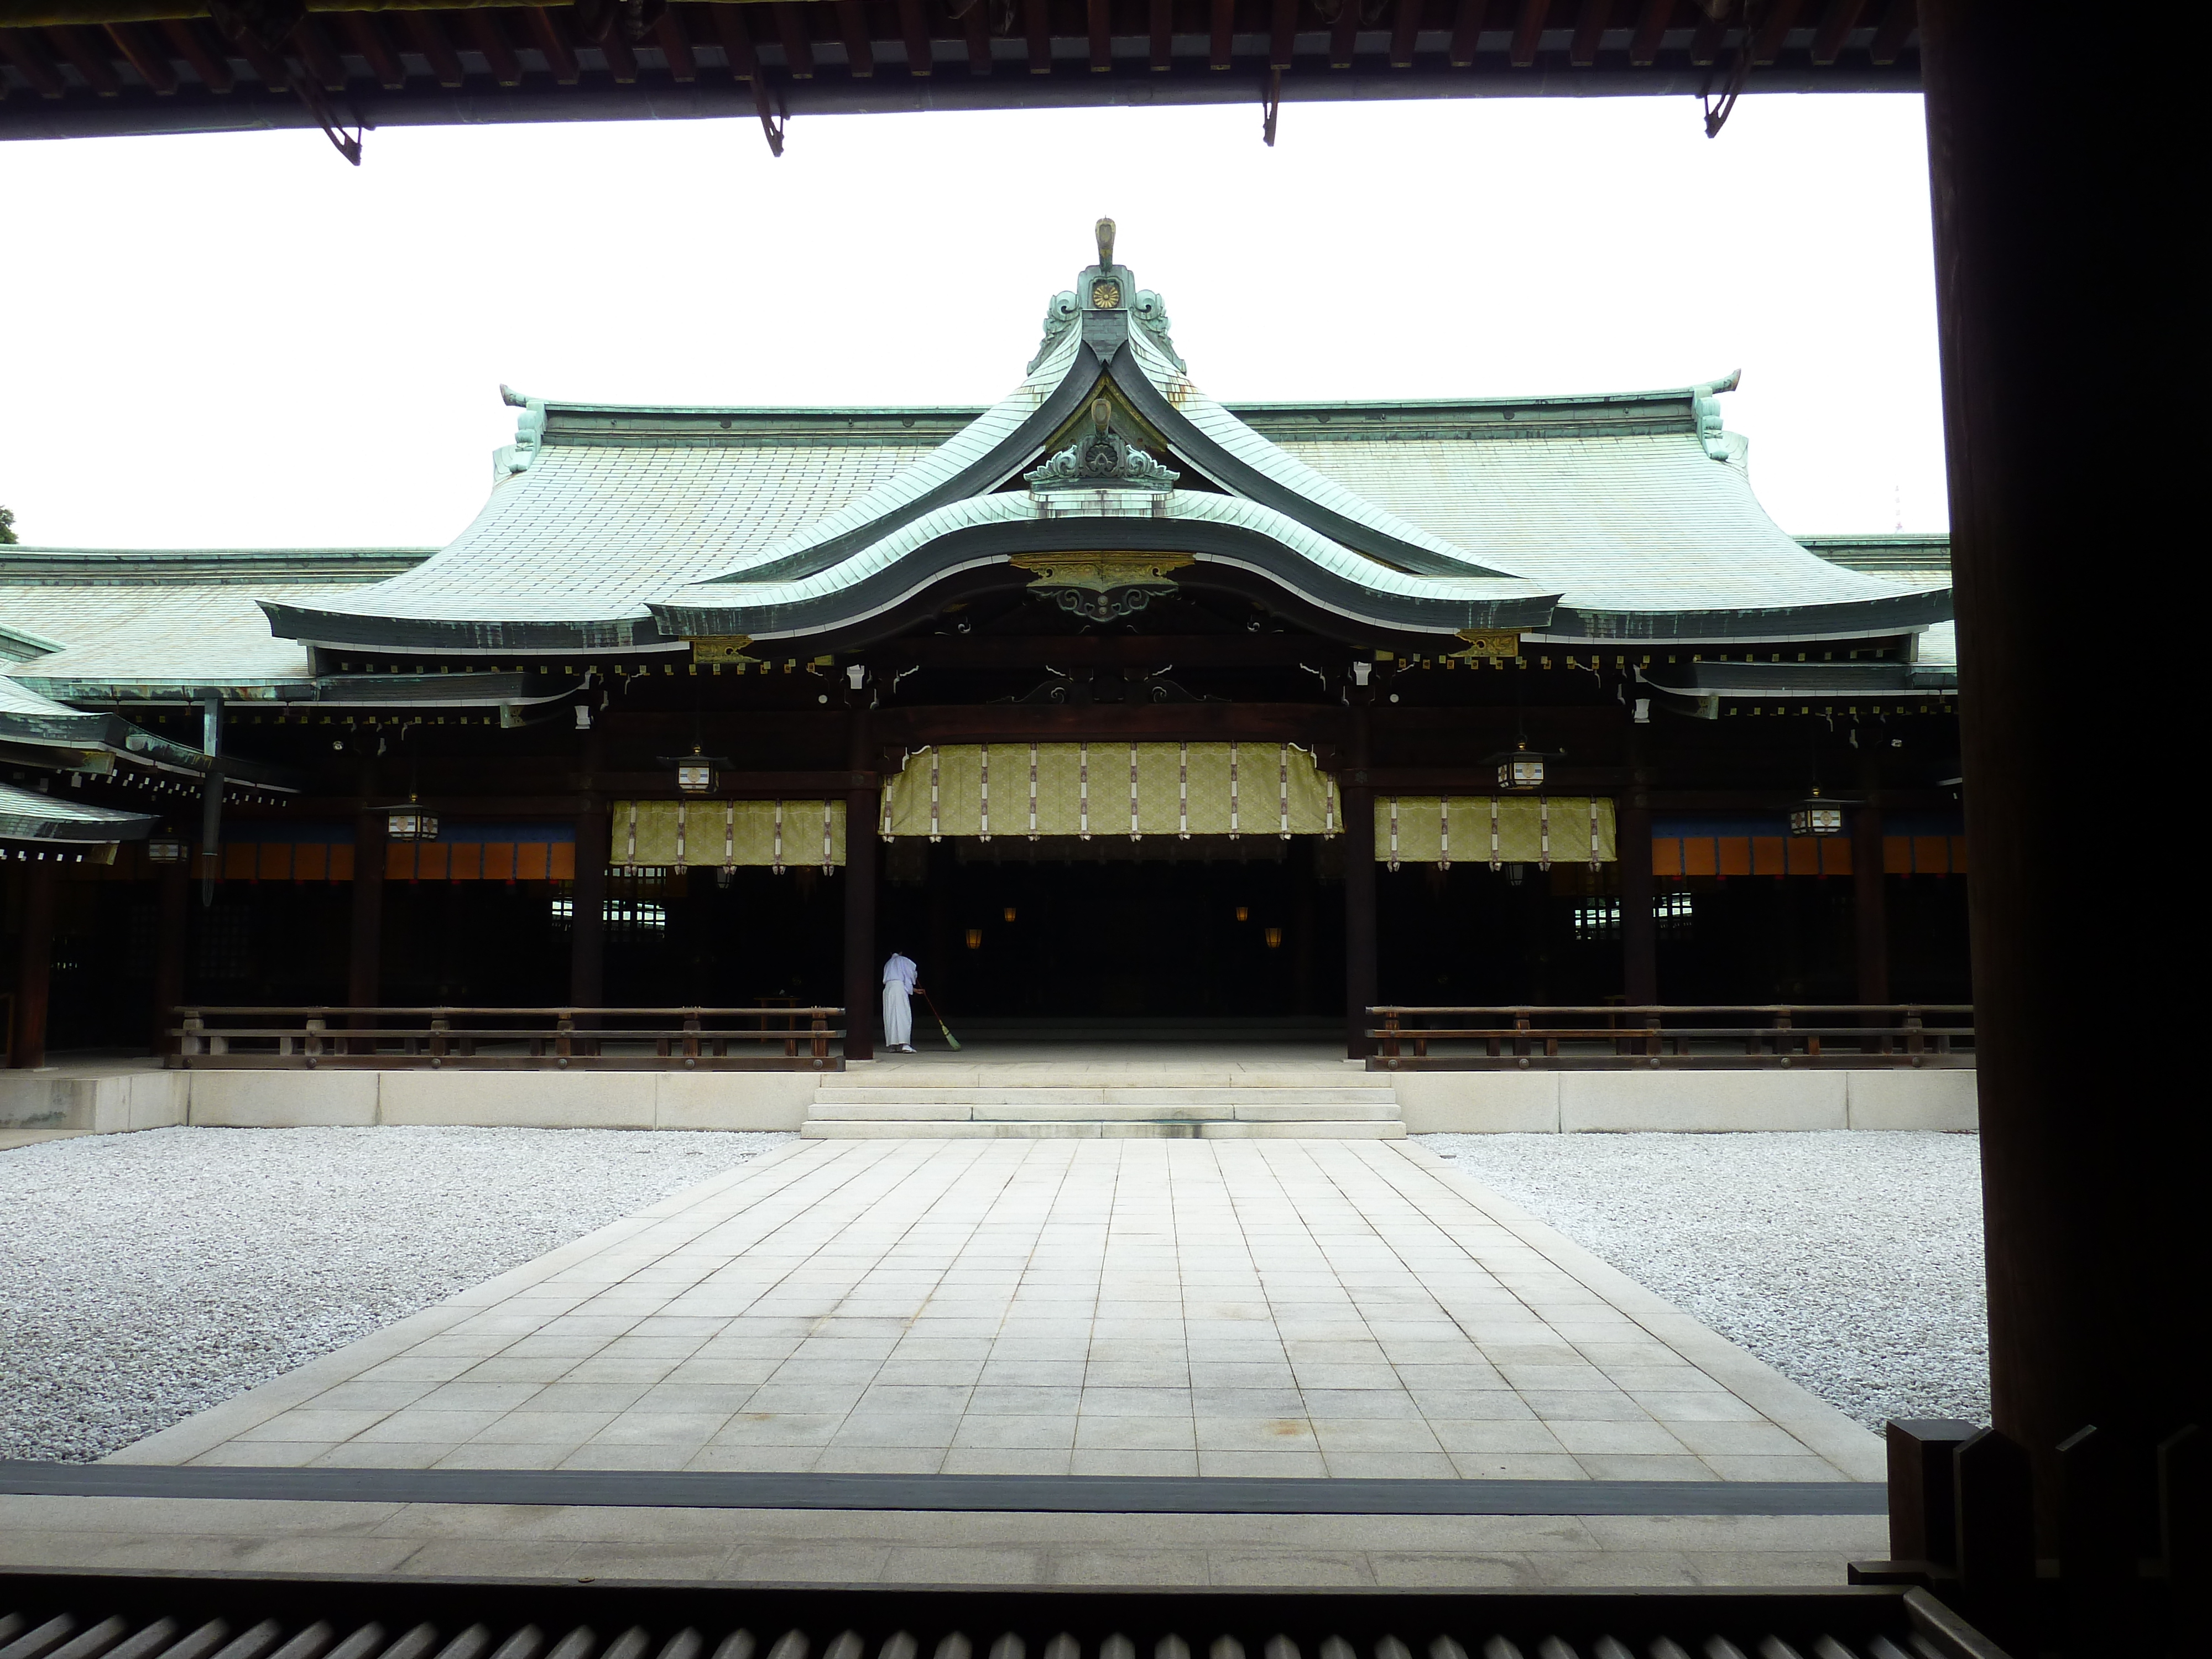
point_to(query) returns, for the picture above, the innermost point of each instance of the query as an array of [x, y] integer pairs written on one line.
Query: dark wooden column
[[1360, 969], [173, 900], [863, 804], [1869, 913], [34, 963], [587, 894], [2063, 265], [365, 952], [1640, 932]]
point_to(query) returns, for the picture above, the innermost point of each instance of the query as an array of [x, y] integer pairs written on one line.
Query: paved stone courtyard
[[1044, 1307]]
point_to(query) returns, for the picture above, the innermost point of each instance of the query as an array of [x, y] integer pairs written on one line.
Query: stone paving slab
[[1054, 1307], [871, 1547]]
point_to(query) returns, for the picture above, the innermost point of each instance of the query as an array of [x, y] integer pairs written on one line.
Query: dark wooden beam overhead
[[1343, 34], [1773, 29], [1405, 28], [1036, 25], [88, 56], [22, 49], [1528, 32], [1651, 19], [427, 36], [316, 54], [548, 34], [366, 37], [1078, 53], [1834, 28], [976, 26], [1590, 32], [1466, 31], [212, 66], [489, 35], [146, 55], [914, 31], [797, 44], [622, 62], [853, 28], [737, 41], [1889, 35]]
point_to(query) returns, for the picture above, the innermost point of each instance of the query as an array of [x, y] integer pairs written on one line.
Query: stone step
[[1096, 1129], [843, 1094], [1248, 1111]]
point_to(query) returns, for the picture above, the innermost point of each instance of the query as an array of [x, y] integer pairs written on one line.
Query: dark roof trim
[[887, 590], [1803, 679], [342, 630], [1897, 613]]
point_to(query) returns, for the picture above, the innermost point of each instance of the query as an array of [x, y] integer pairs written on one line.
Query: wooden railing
[[511, 1039], [1713, 1037]]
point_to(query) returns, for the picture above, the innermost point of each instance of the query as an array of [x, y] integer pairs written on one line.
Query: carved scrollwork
[[1059, 317]]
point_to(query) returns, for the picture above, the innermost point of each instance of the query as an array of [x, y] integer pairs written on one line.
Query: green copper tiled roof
[[56, 820]]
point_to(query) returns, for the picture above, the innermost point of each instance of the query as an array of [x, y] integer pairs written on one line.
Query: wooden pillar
[[34, 963], [2061, 266], [587, 893], [365, 952], [863, 804], [1359, 968], [1639, 931], [587, 909], [173, 899], [1870, 912]]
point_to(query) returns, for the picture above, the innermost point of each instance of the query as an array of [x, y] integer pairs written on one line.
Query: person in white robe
[[899, 986]]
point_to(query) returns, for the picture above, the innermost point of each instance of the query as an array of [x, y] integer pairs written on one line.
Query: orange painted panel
[[430, 861], [275, 863], [239, 859], [467, 863], [1698, 857], [1804, 855], [1931, 855], [499, 860], [1735, 855], [1835, 855], [1958, 855], [1766, 855], [341, 861], [310, 861], [530, 860], [562, 866], [398, 861], [1897, 855]]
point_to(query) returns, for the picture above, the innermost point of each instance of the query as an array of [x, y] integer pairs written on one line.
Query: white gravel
[[1850, 1262], [145, 1277]]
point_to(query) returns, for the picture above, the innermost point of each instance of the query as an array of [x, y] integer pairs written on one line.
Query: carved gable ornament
[[1102, 458]]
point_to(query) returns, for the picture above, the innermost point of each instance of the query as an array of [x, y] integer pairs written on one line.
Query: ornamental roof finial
[[1105, 231]]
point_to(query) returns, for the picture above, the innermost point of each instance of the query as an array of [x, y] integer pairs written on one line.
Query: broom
[[951, 1041]]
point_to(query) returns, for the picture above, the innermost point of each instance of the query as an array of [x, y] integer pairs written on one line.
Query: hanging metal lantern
[[1815, 816], [166, 850], [974, 938], [409, 823], [1521, 767], [1274, 938], [696, 774]]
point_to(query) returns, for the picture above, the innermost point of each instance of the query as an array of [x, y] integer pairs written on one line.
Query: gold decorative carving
[[722, 648], [1100, 570], [1105, 295], [1484, 643]]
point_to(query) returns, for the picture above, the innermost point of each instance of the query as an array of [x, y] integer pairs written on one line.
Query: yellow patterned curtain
[[727, 834], [1493, 830], [1137, 789]]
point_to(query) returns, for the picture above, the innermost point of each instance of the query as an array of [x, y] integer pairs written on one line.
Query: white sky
[[240, 341]]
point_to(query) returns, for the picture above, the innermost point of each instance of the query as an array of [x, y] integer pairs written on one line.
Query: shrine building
[[1120, 709]]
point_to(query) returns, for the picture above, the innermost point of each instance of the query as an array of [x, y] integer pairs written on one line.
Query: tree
[[7, 527]]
